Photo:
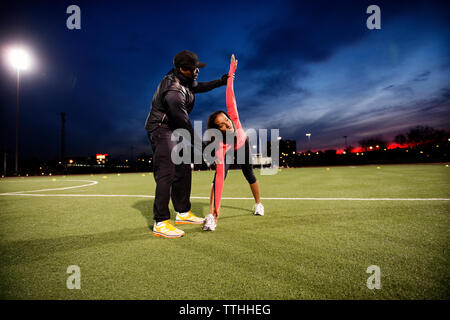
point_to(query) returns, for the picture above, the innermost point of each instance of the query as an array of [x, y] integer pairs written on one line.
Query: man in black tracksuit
[[172, 103]]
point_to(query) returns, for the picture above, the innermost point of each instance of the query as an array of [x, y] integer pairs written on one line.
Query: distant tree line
[[419, 135]]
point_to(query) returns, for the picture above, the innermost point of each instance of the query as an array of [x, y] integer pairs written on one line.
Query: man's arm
[[208, 86]]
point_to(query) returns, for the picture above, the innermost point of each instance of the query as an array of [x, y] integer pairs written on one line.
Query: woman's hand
[[233, 65], [234, 61]]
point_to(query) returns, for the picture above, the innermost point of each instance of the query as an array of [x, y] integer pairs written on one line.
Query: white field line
[[22, 181], [92, 182], [224, 198]]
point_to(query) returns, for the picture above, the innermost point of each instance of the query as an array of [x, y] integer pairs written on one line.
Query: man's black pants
[[172, 181]]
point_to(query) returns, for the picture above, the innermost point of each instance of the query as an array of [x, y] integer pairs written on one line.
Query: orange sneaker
[[167, 230], [188, 218]]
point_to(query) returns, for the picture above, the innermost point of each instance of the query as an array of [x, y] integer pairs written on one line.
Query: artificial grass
[[301, 249]]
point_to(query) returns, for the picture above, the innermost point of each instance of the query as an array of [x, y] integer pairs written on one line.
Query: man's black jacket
[[174, 100]]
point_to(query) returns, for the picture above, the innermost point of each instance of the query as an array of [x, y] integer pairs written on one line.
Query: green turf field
[[301, 249]]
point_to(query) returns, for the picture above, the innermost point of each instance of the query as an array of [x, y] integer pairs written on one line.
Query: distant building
[[288, 152], [102, 158], [288, 146]]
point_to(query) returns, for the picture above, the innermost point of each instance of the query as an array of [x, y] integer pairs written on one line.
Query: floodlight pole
[[16, 168], [309, 140]]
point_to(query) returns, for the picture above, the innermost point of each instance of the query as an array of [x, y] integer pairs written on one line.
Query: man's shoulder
[[170, 82]]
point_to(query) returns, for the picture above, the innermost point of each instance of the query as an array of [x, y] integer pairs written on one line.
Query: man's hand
[[224, 79]]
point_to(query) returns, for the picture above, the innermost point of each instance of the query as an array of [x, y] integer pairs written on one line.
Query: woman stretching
[[229, 125]]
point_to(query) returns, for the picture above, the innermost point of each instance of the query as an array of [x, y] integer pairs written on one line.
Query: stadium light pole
[[309, 140], [19, 60]]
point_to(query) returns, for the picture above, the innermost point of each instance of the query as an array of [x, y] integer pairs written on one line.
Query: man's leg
[[163, 172], [181, 188], [181, 193]]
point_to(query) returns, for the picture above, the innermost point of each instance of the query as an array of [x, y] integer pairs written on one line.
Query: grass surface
[[301, 249]]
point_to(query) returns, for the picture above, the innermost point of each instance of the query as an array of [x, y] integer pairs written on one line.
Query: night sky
[[304, 66]]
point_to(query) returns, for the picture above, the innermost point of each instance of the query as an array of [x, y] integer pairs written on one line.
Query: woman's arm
[[231, 100], [218, 187], [211, 199], [220, 178], [220, 164]]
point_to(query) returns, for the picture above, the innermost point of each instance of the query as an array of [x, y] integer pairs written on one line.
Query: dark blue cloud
[[303, 65]]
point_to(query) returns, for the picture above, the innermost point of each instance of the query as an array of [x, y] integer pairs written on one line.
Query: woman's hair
[[211, 124]]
